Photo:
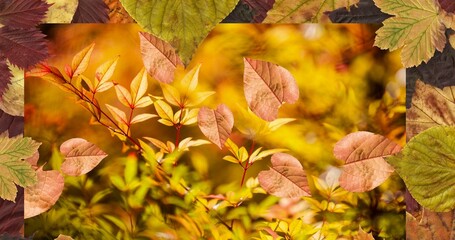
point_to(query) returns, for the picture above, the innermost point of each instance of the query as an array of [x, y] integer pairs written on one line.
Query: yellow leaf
[[142, 117], [105, 71], [123, 95], [198, 98], [61, 11], [164, 110], [171, 94], [230, 159], [81, 60], [144, 102], [138, 86], [118, 114]]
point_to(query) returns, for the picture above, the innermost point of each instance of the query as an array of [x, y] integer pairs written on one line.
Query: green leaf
[[19, 148], [303, 11], [182, 23], [417, 27], [427, 166]]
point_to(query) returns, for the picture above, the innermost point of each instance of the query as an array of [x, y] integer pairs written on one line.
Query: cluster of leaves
[[155, 194]]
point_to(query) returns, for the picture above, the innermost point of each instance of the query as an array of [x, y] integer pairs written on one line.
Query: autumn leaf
[[249, 11], [5, 74], [417, 26], [23, 13], [159, 57], [303, 11], [286, 178], [182, 23], [61, 11], [23, 47], [363, 154], [81, 156], [267, 86], [12, 214], [13, 124], [431, 225], [363, 12], [430, 107], [44, 194], [91, 11], [362, 235], [216, 124], [447, 5], [12, 101], [81, 60], [427, 166]]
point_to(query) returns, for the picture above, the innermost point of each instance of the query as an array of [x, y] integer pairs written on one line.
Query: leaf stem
[[247, 165]]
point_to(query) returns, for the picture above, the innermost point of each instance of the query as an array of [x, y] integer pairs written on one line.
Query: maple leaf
[[91, 11], [12, 214], [23, 13], [13, 124], [23, 47], [5, 75], [417, 26]]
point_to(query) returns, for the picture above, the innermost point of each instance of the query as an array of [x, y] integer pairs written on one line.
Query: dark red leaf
[[447, 5], [13, 124], [91, 11], [12, 215], [259, 8], [23, 47], [23, 13], [5, 76], [249, 11], [363, 12]]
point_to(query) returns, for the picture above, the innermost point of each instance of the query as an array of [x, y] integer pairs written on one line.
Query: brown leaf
[[430, 226], [44, 194], [159, 58], [216, 124], [365, 167], [267, 86], [80, 156], [430, 107], [286, 178]]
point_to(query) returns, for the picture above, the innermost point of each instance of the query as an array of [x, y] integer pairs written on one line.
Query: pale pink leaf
[[159, 58], [267, 86], [217, 124], [44, 194], [363, 154], [286, 178], [80, 156]]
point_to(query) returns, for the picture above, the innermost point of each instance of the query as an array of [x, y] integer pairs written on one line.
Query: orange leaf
[[217, 124], [80, 156]]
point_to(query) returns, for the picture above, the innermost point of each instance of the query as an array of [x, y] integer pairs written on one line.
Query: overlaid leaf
[[182, 23], [159, 57], [416, 26], [44, 194], [13, 124], [216, 124], [12, 101], [427, 166], [431, 225], [17, 147], [61, 11], [249, 11], [363, 12], [362, 235], [23, 47], [12, 214], [363, 154], [5, 75], [430, 107], [267, 86], [302, 11], [91, 11], [447, 5], [286, 178], [81, 156], [23, 13], [80, 61]]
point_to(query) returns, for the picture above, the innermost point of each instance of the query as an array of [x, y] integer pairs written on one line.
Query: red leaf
[[365, 167], [217, 124], [91, 11], [12, 214], [267, 86], [23, 47], [80, 156], [286, 178], [5, 76], [447, 5], [159, 58], [259, 8], [13, 124], [23, 13], [44, 194]]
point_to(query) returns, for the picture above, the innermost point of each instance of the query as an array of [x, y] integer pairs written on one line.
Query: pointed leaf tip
[[81, 156], [216, 124]]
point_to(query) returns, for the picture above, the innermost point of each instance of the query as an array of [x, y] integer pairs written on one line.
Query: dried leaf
[[91, 11], [23, 13], [286, 178], [362, 235], [447, 5], [159, 57], [427, 167], [365, 167], [182, 23], [12, 214], [5, 75], [44, 194], [431, 226], [267, 86], [249, 11], [216, 124], [12, 101], [363, 12], [23, 47], [81, 156], [431, 106], [61, 11], [302, 11], [417, 27], [13, 124]]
